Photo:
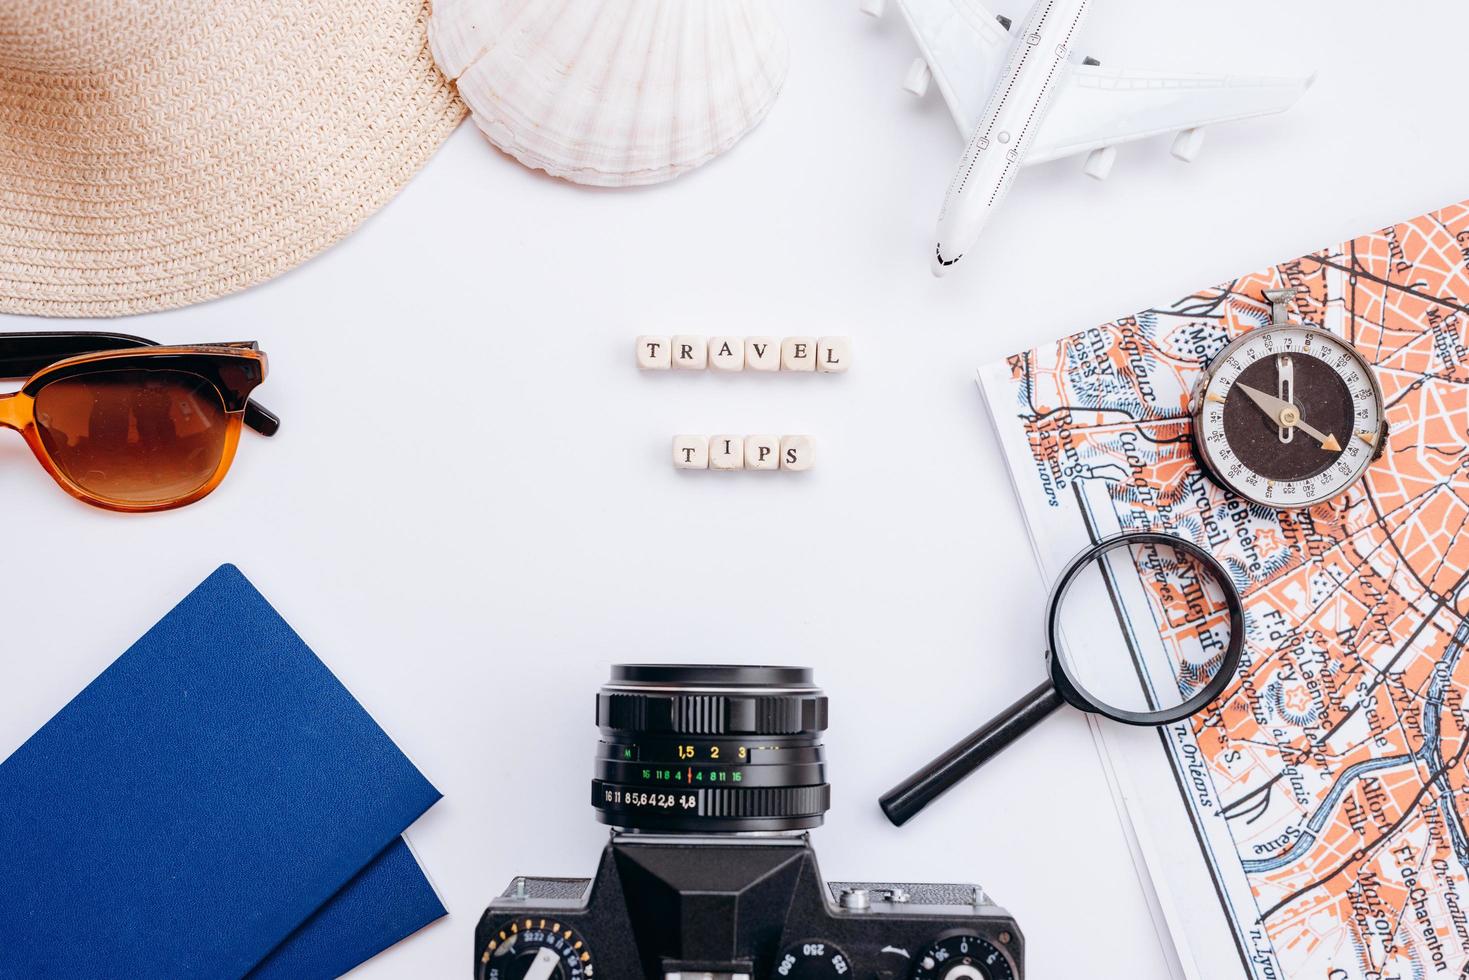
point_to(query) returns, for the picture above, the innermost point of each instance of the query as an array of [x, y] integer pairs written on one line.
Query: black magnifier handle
[[902, 802]]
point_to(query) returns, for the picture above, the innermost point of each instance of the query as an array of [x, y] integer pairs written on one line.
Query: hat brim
[[226, 153]]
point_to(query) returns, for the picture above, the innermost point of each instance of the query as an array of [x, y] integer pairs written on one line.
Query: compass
[[1288, 415]]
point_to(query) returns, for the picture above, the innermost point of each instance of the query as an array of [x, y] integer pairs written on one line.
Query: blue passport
[[191, 810], [389, 900]]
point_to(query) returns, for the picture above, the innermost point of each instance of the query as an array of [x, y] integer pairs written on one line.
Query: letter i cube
[[726, 452]]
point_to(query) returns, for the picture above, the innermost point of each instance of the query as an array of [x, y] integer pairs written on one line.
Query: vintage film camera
[[710, 778]]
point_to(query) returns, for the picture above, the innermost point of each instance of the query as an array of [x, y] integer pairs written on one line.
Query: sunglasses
[[126, 424]]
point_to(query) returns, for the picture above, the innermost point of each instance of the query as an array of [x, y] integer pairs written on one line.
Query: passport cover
[[196, 803], [389, 900]]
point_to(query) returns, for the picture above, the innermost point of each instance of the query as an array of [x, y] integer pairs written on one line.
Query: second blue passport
[[197, 802]]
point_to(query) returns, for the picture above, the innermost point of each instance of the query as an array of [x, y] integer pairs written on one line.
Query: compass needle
[[1286, 374], [1327, 440], [1274, 408], [1288, 416]]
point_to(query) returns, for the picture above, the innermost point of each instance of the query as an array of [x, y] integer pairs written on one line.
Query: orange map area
[[1335, 770]]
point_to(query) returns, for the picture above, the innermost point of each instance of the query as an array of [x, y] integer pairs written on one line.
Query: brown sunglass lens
[[133, 436]]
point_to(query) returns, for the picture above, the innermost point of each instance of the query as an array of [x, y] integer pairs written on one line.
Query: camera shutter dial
[[962, 956], [536, 948], [813, 960]]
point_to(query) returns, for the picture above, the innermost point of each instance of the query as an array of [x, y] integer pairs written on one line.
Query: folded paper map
[[1311, 823]]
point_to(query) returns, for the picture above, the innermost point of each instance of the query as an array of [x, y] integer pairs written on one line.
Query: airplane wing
[[964, 47], [1097, 107]]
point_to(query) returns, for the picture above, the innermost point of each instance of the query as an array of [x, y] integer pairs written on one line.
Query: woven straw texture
[[156, 154]]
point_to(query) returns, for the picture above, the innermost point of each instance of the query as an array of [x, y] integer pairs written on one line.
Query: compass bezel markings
[[1344, 362]]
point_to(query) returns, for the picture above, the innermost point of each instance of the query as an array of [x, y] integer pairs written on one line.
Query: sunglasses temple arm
[[904, 801], [261, 419]]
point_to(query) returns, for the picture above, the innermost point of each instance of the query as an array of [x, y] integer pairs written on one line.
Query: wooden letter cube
[[797, 453], [798, 354], [691, 452], [690, 353], [833, 354], [727, 353], [654, 353], [762, 353], [762, 452], [726, 453]]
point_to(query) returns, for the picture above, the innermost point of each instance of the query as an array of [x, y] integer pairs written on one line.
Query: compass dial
[[1288, 416], [535, 948]]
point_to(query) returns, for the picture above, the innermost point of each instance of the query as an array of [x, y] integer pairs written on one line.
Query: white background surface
[[470, 511]]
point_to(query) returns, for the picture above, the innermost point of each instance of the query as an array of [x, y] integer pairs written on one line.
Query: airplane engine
[[918, 77], [1186, 144], [1099, 162]]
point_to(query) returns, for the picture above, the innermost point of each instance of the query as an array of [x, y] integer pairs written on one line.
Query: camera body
[[710, 777], [676, 908]]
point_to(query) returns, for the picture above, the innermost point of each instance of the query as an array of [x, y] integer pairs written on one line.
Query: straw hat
[[155, 154]]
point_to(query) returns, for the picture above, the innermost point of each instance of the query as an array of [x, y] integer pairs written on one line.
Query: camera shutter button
[[965, 971]]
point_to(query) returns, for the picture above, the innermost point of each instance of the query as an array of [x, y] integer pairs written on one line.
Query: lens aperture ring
[[716, 802]]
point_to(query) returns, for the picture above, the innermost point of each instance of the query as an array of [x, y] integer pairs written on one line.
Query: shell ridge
[[494, 104], [453, 30], [565, 84], [616, 93], [598, 128]]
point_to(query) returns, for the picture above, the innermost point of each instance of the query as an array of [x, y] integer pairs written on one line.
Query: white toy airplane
[[1024, 99]]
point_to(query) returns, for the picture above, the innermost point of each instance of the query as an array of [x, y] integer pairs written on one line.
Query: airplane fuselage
[[1037, 64]]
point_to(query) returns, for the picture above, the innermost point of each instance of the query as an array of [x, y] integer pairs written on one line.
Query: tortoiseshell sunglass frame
[[234, 370]]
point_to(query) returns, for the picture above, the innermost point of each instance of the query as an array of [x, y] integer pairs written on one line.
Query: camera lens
[[711, 749]]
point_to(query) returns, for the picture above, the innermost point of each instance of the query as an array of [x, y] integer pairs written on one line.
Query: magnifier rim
[[1078, 696]]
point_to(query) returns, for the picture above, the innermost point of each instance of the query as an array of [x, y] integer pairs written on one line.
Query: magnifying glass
[[1144, 628]]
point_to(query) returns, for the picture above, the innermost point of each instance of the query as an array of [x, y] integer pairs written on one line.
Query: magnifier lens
[[1143, 628]]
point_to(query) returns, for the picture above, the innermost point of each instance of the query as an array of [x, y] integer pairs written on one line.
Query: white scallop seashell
[[612, 92]]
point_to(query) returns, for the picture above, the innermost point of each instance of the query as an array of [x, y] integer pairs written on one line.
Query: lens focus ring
[[712, 714]]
